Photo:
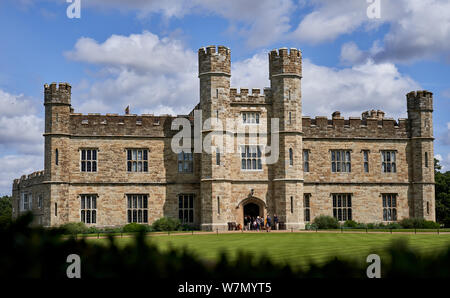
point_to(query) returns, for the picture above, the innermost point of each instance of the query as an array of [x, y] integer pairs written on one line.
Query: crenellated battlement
[[94, 124], [284, 61], [255, 97], [420, 100], [54, 93], [28, 180], [214, 60], [370, 125]]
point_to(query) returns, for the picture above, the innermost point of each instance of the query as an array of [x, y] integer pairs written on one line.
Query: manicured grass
[[296, 249]]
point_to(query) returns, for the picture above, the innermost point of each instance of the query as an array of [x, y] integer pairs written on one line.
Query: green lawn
[[296, 249]]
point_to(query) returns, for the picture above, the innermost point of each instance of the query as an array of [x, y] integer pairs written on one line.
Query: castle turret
[[214, 68], [420, 117], [57, 128], [285, 71]]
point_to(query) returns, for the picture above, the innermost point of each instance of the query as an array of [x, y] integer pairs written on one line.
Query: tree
[[5, 208], [442, 194]]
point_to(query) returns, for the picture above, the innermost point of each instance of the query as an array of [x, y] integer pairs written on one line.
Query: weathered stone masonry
[[221, 190]]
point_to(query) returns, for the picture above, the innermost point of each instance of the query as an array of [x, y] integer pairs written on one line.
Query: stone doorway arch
[[252, 205]]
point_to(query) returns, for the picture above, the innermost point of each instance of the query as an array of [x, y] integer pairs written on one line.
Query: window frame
[[189, 210], [145, 152], [256, 116], [88, 208], [307, 207], [253, 157], [342, 204], [339, 161], [306, 160], [185, 162], [388, 161], [389, 203], [96, 150], [137, 208]]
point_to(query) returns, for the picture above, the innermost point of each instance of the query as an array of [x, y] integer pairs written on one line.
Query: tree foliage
[[5, 209], [442, 195]]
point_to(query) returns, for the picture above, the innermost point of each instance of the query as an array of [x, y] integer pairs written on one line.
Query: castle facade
[[110, 170]]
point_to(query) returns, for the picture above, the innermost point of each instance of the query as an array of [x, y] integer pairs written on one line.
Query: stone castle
[[110, 170]]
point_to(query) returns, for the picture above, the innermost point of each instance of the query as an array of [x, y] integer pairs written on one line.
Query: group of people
[[259, 223]]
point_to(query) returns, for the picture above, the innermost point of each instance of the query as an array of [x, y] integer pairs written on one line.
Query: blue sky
[[143, 53]]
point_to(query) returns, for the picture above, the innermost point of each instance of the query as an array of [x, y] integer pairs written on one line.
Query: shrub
[[166, 224], [351, 224], [311, 226], [418, 223], [326, 222], [134, 227], [74, 228], [393, 225]]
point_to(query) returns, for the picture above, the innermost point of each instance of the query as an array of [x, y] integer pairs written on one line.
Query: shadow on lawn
[[32, 252]]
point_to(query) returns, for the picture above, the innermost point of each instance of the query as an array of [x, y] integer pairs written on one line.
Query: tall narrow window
[[218, 156], [218, 205], [56, 156], [342, 207], [292, 204], [305, 160], [306, 206], [290, 117], [291, 157], [88, 207], [428, 208], [426, 159], [89, 160], [137, 160], [185, 163], [40, 199], [56, 209], [340, 161], [389, 207], [388, 162], [251, 157], [25, 204], [137, 208], [186, 208], [289, 95], [366, 161]]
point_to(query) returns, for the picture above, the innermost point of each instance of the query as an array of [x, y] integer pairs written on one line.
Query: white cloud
[[355, 89], [251, 73], [444, 162], [260, 22], [14, 166], [331, 19], [142, 70], [445, 139], [20, 128], [418, 29], [14, 105]]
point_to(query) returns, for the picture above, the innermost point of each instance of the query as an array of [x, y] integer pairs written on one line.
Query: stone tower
[[420, 116], [285, 73], [57, 135], [214, 66]]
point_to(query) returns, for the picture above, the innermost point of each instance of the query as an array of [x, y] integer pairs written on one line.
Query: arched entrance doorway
[[251, 209]]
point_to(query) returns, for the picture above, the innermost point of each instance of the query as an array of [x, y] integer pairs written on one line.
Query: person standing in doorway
[[275, 221]]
